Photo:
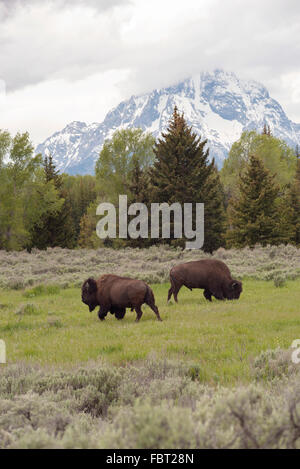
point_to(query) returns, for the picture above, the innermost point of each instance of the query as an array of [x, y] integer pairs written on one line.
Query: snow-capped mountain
[[218, 105]]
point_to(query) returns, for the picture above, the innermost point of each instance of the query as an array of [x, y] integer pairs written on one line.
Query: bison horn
[[91, 285]]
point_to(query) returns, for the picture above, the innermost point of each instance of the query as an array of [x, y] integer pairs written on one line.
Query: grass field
[[211, 375], [47, 325]]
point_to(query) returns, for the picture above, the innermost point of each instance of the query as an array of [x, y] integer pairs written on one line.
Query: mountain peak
[[217, 104]]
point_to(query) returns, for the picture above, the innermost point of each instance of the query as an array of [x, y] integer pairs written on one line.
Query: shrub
[[279, 281], [157, 404], [274, 364], [20, 270]]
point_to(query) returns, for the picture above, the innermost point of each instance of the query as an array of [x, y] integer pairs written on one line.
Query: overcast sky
[[65, 60]]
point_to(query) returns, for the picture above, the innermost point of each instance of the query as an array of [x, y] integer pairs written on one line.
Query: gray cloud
[[54, 39], [11, 6], [254, 39], [49, 39], [157, 42]]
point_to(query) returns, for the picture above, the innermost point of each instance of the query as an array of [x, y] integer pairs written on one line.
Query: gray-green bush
[[154, 404], [60, 268]]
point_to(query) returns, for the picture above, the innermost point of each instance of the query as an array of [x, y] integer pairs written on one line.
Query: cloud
[[44, 108], [161, 41], [53, 39], [254, 39], [120, 47], [10, 6]]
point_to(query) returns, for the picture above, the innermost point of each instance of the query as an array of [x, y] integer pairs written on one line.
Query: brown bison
[[114, 294], [210, 274]]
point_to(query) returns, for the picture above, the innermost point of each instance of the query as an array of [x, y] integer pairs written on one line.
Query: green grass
[[218, 339]]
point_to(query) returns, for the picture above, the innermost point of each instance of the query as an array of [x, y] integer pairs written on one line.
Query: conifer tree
[[254, 215], [51, 173], [215, 215], [183, 173], [266, 130], [56, 229]]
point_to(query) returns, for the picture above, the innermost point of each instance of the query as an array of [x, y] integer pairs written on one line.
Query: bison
[[114, 294], [210, 274]]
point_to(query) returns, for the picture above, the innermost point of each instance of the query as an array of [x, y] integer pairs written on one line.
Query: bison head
[[89, 293], [234, 290]]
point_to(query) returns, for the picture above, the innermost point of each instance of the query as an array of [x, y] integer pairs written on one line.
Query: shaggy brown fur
[[210, 274], [115, 294]]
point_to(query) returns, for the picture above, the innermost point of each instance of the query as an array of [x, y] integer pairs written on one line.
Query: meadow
[[73, 381], [46, 325]]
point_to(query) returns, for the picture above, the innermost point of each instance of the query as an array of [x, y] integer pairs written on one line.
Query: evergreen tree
[[51, 173], [182, 173], [81, 192], [254, 215], [215, 223], [55, 229], [266, 130], [275, 154]]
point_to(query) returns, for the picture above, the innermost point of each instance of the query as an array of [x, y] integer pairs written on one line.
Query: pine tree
[[56, 229], [267, 130], [214, 228], [51, 173], [254, 215], [182, 173]]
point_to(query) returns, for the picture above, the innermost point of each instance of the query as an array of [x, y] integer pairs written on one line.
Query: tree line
[[254, 199]]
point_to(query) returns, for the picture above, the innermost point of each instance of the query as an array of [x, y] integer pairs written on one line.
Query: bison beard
[[114, 294], [213, 276]]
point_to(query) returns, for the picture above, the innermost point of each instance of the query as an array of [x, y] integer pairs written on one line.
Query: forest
[[254, 199]]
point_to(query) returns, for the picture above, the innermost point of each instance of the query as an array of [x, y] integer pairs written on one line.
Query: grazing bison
[[210, 274], [115, 294]]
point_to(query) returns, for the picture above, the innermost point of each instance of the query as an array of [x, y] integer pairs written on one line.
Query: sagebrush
[[156, 404], [70, 267]]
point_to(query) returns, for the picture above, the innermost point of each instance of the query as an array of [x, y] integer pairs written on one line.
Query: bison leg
[[176, 291], [139, 313], [170, 293], [102, 313], [120, 313], [207, 295], [175, 287], [150, 301], [155, 309]]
